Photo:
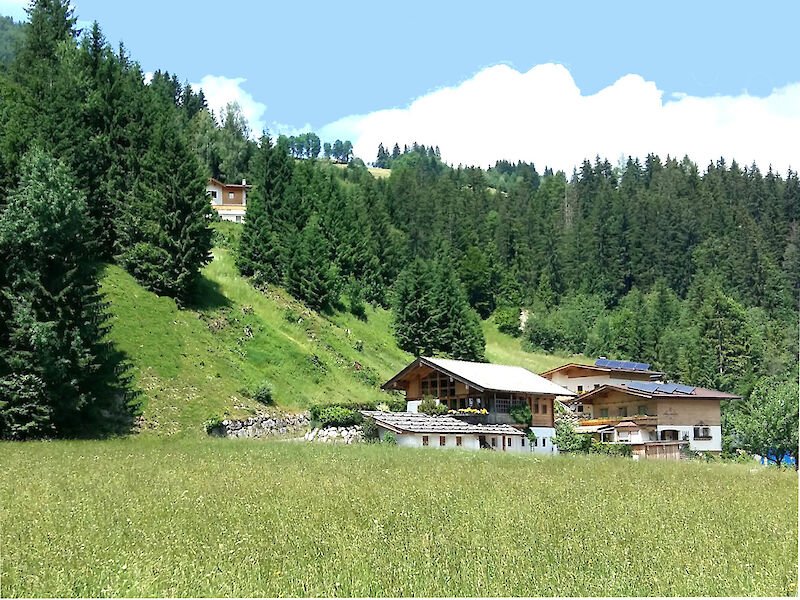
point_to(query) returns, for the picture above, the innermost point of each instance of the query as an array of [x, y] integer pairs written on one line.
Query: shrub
[[430, 407], [338, 416], [212, 423], [610, 449], [568, 441], [263, 393], [507, 320], [389, 438], [354, 406], [521, 413], [370, 429]]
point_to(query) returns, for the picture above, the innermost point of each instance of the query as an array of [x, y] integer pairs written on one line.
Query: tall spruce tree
[[58, 374], [164, 236]]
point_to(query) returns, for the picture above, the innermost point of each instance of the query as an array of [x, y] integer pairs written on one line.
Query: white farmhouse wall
[[544, 441], [215, 188], [687, 432]]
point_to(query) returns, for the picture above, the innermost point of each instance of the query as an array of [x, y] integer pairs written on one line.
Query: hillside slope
[[205, 360]]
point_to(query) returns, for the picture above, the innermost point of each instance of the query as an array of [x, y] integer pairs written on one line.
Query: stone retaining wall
[[264, 426], [341, 435]]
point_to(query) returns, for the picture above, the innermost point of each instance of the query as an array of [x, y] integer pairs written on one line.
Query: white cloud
[[219, 90], [14, 9], [541, 116]]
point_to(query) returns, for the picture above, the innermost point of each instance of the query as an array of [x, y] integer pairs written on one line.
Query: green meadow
[[184, 517]]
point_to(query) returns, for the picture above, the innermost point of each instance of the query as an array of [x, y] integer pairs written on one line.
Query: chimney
[[244, 181]]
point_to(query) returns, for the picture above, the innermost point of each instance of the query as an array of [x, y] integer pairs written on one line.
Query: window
[[424, 440], [544, 442], [214, 194], [230, 195], [596, 385], [536, 442], [623, 411], [544, 409], [462, 403], [702, 433], [580, 389], [522, 442], [579, 407], [536, 406], [603, 413], [642, 410], [458, 440], [509, 442], [442, 440], [238, 219], [494, 442]]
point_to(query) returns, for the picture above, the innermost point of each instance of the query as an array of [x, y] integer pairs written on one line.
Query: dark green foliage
[[432, 314], [355, 300], [521, 413], [311, 275], [58, 375], [164, 234], [389, 439], [568, 441], [610, 449], [507, 319], [429, 406], [369, 429], [767, 424], [338, 416], [263, 393]]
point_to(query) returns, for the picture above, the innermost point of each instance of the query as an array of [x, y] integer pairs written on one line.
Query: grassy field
[[182, 517]]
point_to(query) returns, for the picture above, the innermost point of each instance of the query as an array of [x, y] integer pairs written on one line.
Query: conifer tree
[[164, 237], [310, 275], [58, 375]]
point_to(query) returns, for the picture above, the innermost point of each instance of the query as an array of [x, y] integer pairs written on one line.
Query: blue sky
[[314, 63]]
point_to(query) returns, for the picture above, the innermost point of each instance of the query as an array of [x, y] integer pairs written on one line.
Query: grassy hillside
[[205, 360], [148, 517], [505, 349]]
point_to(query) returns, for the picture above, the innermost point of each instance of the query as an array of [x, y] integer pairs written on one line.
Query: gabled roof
[[408, 422], [697, 393], [246, 186], [486, 377], [604, 369]]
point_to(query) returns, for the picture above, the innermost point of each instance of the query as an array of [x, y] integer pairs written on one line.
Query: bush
[[568, 441], [338, 416], [369, 429], [610, 449], [521, 413], [212, 423], [389, 438], [507, 320], [430, 407], [263, 393], [317, 410]]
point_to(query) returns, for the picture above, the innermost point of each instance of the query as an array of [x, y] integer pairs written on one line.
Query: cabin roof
[[486, 377], [598, 369], [408, 422], [245, 186], [696, 393]]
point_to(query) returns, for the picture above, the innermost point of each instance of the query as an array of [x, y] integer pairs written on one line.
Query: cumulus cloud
[[219, 90], [541, 116]]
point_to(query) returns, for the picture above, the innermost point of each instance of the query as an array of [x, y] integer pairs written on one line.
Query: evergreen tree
[[164, 237], [311, 276], [58, 375]]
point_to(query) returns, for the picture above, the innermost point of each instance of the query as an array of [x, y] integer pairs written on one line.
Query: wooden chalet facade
[[495, 388], [228, 199]]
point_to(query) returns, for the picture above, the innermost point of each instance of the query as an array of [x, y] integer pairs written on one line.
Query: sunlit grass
[[150, 517]]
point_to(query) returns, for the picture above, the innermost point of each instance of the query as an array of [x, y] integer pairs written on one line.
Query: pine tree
[[311, 276], [164, 237], [58, 375]]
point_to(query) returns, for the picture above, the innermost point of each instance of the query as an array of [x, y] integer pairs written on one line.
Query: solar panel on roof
[[684, 389], [641, 366], [667, 388], [601, 362], [629, 365], [643, 386], [615, 364]]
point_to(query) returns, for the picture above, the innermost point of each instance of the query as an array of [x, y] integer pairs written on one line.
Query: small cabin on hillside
[[461, 385], [228, 199]]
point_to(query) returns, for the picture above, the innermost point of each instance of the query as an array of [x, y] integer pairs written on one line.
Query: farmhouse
[[228, 199], [462, 385], [653, 415], [419, 430], [584, 378]]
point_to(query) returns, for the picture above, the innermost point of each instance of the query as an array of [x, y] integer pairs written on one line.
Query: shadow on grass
[[207, 295]]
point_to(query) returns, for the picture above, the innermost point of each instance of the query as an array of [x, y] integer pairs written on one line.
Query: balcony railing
[[638, 419]]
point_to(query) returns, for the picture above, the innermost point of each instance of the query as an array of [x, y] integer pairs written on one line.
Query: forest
[[692, 268]]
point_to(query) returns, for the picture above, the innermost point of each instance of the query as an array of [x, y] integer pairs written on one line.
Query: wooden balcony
[[638, 419]]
